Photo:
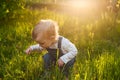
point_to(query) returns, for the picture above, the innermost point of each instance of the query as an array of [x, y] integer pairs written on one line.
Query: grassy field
[[97, 41]]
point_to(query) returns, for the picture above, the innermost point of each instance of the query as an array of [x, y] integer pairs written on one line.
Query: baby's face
[[44, 42]]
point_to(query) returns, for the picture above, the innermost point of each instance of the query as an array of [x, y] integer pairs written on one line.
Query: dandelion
[[77, 76]]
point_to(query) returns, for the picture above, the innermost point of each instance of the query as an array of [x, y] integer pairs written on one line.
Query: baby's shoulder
[[65, 39]]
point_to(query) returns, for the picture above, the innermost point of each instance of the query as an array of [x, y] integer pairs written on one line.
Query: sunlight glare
[[82, 4]]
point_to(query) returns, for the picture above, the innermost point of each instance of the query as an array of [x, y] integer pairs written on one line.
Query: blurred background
[[92, 25]]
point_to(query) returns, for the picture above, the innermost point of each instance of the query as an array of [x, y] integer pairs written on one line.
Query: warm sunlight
[[60, 40], [82, 4], [85, 9]]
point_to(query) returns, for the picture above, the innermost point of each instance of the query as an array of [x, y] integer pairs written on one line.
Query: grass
[[98, 54]]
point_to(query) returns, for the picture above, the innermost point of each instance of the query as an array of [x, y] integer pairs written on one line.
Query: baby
[[59, 48]]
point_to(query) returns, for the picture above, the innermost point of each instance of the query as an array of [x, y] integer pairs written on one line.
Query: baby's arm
[[33, 48], [71, 51]]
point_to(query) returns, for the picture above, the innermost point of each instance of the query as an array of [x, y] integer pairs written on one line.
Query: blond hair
[[46, 28]]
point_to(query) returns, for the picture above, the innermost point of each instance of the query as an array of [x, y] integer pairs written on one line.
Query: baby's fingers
[[28, 51]]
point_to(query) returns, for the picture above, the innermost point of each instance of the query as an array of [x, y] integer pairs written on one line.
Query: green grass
[[98, 51]]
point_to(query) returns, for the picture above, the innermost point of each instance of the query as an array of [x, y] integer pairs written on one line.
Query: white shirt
[[68, 48]]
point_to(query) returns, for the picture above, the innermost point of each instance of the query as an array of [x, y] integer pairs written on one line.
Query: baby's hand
[[60, 63], [28, 50]]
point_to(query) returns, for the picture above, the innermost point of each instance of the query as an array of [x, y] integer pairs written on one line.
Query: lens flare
[[82, 4]]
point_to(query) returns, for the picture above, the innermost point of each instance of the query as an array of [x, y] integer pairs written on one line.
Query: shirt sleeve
[[71, 50], [36, 47]]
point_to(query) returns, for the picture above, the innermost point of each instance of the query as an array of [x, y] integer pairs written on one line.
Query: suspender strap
[[59, 42], [59, 46]]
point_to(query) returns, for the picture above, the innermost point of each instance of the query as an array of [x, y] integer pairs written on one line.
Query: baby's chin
[[45, 46]]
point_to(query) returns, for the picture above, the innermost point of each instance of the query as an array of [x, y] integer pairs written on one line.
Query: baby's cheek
[[48, 42], [46, 45]]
